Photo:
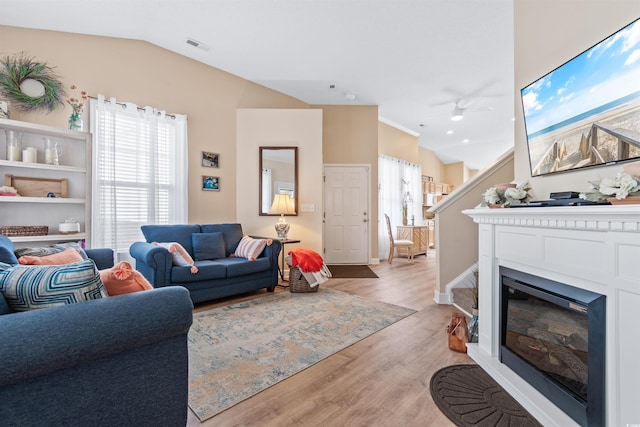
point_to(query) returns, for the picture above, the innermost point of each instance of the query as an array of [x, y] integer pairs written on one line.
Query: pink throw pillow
[[179, 255], [123, 279], [68, 256]]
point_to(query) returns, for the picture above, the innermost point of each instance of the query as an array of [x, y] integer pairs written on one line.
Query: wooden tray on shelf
[[37, 187]]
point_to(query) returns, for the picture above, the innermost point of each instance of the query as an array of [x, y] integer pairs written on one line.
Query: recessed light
[[449, 132], [465, 141]]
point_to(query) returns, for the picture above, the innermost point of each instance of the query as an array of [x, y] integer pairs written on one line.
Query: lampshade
[[282, 204], [456, 114]]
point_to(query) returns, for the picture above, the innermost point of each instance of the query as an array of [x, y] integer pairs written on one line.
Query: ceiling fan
[[459, 108]]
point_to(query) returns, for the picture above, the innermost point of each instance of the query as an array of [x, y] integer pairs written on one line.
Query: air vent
[[197, 44]]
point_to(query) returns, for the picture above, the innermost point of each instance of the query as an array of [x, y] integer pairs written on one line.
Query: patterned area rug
[[241, 349], [468, 396]]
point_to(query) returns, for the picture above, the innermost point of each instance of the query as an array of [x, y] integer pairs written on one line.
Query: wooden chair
[[393, 244]]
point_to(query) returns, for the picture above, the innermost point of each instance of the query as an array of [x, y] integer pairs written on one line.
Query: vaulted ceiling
[[412, 58]]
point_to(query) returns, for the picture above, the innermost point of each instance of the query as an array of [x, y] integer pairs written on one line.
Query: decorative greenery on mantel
[[29, 84]]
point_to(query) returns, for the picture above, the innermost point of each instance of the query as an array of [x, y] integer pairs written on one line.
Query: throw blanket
[[311, 265]]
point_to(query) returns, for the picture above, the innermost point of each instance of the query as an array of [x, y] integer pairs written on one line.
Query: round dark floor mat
[[468, 396]]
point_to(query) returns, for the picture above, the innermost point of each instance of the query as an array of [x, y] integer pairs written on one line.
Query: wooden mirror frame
[[295, 179]]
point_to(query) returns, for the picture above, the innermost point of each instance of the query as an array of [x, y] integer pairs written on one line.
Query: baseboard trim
[[443, 298]]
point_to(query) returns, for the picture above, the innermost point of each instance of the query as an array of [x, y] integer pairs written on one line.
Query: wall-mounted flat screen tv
[[586, 112]]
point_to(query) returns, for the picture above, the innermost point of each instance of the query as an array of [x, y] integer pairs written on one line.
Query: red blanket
[[308, 261]]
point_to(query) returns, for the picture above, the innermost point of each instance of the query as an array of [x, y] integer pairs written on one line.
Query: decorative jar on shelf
[[75, 122], [13, 145]]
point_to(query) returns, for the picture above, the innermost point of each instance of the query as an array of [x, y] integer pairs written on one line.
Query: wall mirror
[[278, 177]]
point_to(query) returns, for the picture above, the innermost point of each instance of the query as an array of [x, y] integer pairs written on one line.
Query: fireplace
[[591, 248], [553, 336]]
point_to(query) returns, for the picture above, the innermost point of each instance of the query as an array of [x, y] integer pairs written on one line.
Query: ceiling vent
[[197, 44]]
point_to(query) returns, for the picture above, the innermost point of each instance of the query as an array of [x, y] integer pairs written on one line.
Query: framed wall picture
[[210, 160], [211, 183]]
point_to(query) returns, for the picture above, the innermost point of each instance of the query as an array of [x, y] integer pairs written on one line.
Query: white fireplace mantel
[[590, 247]]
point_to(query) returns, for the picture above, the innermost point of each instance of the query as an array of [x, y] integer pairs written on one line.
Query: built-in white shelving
[[74, 166]]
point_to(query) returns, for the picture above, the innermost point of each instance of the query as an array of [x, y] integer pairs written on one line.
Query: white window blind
[[139, 172]]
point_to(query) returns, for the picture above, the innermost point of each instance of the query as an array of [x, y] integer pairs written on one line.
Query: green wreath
[[17, 69]]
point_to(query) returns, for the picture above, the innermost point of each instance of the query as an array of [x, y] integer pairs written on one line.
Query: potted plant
[[623, 188], [503, 195]]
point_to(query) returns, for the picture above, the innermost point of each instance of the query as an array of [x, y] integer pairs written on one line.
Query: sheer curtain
[[266, 190], [139, 171], [397, 178]]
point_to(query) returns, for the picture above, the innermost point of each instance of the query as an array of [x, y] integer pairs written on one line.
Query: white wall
[[280, 127], [547, 33]]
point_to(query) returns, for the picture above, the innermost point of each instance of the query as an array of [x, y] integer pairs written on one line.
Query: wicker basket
[[297, 282], [19, 230]]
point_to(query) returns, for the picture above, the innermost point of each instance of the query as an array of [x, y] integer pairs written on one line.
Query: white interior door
[[346, 215]]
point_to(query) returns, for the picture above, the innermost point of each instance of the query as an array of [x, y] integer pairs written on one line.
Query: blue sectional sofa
[[218, 275], [113, 361]]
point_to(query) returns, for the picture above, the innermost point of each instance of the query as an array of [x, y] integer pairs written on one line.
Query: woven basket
[[297, 282], [19, 230]]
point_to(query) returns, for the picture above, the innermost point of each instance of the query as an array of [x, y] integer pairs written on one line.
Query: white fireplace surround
[[590, 247]]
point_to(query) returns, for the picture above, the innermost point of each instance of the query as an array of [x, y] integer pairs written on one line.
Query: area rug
[[241, 349], [468, 396], [351, 271]]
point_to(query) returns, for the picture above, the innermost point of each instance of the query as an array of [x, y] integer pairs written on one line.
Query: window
[[398, 180], [139, 172]]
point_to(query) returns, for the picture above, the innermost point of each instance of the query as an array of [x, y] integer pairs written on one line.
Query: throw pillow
[[123, 279], [179, 255], [50, 250], [6, 251], [251, 248], [7, 256], [28, 287], [208, 246], [68, 256]]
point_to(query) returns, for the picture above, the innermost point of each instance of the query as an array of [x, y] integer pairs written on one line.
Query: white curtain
[[397, 179], [139, 172], [266, 190]]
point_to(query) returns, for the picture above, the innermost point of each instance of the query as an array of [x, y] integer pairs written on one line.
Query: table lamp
[[282, 204]]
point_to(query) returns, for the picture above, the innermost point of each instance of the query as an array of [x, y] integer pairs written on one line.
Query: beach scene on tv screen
[[587, 111]]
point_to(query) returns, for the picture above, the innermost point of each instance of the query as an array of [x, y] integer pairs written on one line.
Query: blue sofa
[[119, 360], [219, 275]]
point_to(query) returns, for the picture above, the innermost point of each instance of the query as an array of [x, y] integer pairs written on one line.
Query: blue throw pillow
[[7, 256], [232, 234], [27, 287], [208, 246], [6, 251]]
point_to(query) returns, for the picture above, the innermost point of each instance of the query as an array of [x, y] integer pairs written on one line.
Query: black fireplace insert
[[553, 336]]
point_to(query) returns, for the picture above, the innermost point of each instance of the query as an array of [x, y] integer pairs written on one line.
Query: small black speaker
[[564, 195]]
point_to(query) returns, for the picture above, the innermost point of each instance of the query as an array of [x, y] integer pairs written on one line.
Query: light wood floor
[[382, 380]]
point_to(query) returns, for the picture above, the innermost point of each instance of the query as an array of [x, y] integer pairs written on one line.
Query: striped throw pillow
[[28, 287], [251, 248]]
